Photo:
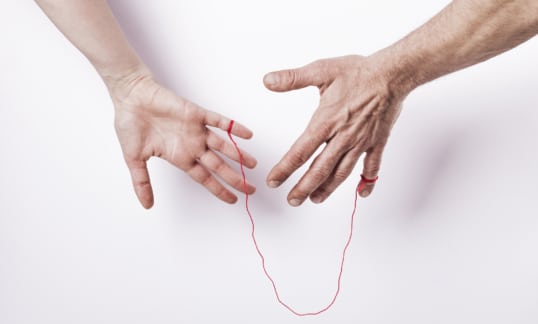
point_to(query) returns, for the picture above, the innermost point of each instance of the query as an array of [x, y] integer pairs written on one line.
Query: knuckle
[[297, 158], [223, 123], [319, 65], [372, 170], [348, 140], [323, 130], [290, 77], [320, 173], [220, 168], [221, 192], [191, 111], [141, 182], [300, 192], [219, 145], [341, 175], [238, 183], [205, 179]]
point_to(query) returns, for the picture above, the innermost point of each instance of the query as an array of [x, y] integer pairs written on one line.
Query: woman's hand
[[357, 109], [151, 121]]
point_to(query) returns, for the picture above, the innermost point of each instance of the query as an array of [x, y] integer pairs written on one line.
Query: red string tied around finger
[[258, 250], [364, 181]]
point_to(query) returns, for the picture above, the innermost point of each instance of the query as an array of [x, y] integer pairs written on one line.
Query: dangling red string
[[331, 303]]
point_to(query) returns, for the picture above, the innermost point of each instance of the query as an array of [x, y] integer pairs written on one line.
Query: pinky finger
[[201, 175], [372, 163]]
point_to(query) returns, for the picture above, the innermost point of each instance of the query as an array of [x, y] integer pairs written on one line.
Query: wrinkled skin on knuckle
[[341, 174], [238, 183], [372, 169], [220, 167], [223, 193], [289, 77], [297, 157], [205, 179], [321, 128], [348, 140], [319, 173]]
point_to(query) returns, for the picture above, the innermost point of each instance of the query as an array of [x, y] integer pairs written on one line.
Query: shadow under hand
[[439, 155]]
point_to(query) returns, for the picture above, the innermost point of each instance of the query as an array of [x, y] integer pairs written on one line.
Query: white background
[[450, 234]]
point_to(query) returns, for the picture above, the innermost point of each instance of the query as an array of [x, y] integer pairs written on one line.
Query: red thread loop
[[331, 303], [363, 178], [230, 126]]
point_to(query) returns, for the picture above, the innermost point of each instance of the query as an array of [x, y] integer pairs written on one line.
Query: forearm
[[466, 32], [92, 28]]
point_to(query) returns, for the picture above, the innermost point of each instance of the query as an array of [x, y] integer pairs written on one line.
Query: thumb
[[294, 79], [141, 182]]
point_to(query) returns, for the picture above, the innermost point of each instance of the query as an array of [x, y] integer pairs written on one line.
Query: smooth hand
[[152, 121], [357, 110]]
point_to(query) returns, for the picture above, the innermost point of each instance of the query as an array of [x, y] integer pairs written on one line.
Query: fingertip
[[365, 191], [231, 199], [147, 205], [294, 202], [275, 179], [270, 80], [273, 183], [242, 131], [144, 194], [247, 134], [251, 164], [316, 199], [146, 201]]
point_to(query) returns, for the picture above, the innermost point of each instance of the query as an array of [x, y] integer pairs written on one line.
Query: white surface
[[449, 236]]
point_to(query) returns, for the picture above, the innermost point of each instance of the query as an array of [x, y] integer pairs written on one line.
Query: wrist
[[399, 73], [120, 83]]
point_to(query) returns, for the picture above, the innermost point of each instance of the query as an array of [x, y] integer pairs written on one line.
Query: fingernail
[[295, 202], [271, 79], [316, 199], [365, 193], [274, 183]]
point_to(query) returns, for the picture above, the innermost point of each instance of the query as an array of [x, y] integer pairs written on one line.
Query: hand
[[152, 121], [356, 113]]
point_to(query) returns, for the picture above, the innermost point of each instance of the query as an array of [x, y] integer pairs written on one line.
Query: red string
[[261, 254], [364, 181]]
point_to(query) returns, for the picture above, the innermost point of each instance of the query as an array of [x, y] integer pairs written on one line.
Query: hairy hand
[[356, 112], [152, 121]]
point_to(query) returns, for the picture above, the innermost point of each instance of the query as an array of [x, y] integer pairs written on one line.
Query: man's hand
[[361, 96], [356, 113], [152, 121]]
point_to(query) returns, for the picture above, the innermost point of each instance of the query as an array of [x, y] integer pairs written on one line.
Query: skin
[[361, 97], [150, 120]]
